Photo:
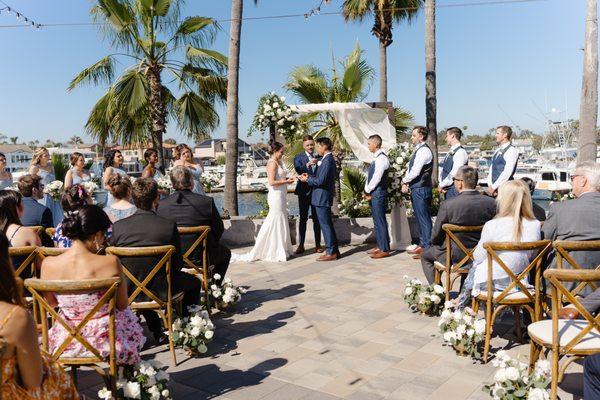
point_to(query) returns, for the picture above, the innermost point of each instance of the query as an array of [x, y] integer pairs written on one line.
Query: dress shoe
[[414, 250], [328, 257], [299, 250], [380, 254], [373, 250], [417, 253], [319, 249]]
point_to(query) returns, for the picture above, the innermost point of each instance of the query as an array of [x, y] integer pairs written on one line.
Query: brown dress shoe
[[299, 250], [328, 257], [380, 254], [319, 249], [373, 250]]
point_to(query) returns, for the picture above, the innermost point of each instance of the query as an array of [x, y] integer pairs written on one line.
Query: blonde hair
[[178, 151], [514, 200], [37, 154]]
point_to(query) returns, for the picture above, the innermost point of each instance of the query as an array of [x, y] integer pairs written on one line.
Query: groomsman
[[376, 193], [504, 162], [306, 163], [418, 180], [457, 157]]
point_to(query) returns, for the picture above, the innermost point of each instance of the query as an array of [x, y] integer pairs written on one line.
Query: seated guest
[[468, 208], [34, 214], [11, 211], [73, 199], [120, 188], [87, 229], [26, 374], [578, 219], [539, 212], [142, 229], [191, 209], [515, 223]]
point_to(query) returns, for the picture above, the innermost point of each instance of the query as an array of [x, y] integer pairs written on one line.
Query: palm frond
[[195, 115], [357, 10], [100, 72], [132, 91], [353, 183]]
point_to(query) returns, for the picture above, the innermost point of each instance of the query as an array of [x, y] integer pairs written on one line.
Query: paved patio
[[318, 331]]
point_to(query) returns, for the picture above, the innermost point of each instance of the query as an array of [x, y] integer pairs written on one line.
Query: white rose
[[542, 368], [470, 332], [132, 390], [275, 104], [154, 393], [500, 375], [438, 289], [449, 336], [165, 393], [105, 394], [209, 334], [216, 293], [512, 373], [214, 287], [436, 299], [408, 291], [217, 276], [281, 98], [537, 394], [479, 326], [195, 331], [461, 329], [177, 325]]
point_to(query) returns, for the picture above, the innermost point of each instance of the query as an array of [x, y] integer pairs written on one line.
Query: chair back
[[109, 286], [557, 278], [451, 231], [37, 228], [563, 249], [23, 259], [193, 240], [141, 280], [50, 232]]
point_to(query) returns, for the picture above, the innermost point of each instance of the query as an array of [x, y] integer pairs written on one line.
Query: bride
[[273, 242]]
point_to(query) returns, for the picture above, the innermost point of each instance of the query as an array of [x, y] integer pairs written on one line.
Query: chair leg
[[448, 288], [534, 355], [518, 333], [554, 382], [170, 324], [488, 331], [475, 305], [74, 375]]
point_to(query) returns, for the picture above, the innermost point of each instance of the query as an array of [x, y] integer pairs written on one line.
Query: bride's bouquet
[[54, 189]]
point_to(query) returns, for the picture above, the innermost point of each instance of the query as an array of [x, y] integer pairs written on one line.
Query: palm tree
[[588, 109], [75, 140], [135, 108], [385, 13], [430, 96], [13, 139]]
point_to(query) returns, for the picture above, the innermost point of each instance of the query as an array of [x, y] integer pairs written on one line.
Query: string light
[[316, 10], [27, 22]]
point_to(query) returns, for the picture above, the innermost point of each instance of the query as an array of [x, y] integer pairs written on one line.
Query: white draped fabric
[[358, 121]]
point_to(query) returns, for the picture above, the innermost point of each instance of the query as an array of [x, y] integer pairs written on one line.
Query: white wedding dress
[[273, 243]]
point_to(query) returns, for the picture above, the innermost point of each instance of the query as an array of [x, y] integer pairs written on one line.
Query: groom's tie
[[313, 166]]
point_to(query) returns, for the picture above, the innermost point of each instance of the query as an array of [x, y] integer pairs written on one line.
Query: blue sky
[[496, 64]]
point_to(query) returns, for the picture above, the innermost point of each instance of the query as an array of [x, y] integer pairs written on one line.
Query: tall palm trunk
[[231, 156], [588, 109], [382, 72], [430, 95], [157, 111], [382, 29]]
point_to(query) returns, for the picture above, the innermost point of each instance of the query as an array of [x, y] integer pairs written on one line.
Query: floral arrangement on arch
[[227, 294], [399, 157], [513, 381], [54, 189], [428, 299], [147, 380], [272, 111], [195, 331], [462, 330]]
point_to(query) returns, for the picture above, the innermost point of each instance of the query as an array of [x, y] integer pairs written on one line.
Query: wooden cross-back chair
[[50, 232], [452, 270], [496, 300], [107, 303], [565, 260], [565, 338], [201, 239], [164, 308], [23, 258], [37, 228]]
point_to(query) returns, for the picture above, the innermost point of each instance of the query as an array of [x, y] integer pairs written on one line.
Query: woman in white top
[[41, 165], [76, 174], [184, 158], [6, 179], [514, 222], [113, 165]]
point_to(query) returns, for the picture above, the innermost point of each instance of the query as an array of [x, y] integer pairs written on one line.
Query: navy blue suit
[[323, 187], [304, 192], [35, 214]]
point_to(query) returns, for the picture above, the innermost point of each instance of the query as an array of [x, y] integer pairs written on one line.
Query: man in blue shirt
[[504, 161], [34, 213]]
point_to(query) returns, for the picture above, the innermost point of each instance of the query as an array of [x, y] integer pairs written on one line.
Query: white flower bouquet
[[513, 381], [210, 180], [147, 380], [90, 187], [272, 111], [462, 330], [428, 299], [399, 158], [227, 294], [54, 189], [164, 183], [193, 332]]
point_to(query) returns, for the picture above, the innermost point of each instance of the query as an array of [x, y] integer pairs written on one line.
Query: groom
[[323, 187]]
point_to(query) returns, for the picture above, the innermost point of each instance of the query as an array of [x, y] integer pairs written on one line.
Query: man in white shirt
[[418, 180], [457, 157], [504, 161], [376, 193]]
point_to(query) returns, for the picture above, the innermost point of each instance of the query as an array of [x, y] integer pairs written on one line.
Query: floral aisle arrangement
[[399, 157], [54, 189], [272, 111], [425, 298], [210, 180], [195, 331], [513, 381], [147, 380], [227, 294], [462, 330]]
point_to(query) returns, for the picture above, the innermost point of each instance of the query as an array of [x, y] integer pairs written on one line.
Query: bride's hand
[[290, 180]]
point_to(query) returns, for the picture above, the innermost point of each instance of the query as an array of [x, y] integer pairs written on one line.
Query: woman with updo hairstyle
[[120, 189], [73, 198], [184, 157], [41, 166], [113, 165], [87, 228], [26, 373], [77, 173]]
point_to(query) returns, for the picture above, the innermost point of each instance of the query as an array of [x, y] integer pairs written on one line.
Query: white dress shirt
[[511, 157], [460, 158], [423, 156], [381, 165]]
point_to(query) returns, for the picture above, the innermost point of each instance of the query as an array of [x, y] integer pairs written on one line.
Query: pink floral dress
[[73, 308]]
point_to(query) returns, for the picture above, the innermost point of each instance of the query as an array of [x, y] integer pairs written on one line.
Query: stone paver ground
[[318, 331]]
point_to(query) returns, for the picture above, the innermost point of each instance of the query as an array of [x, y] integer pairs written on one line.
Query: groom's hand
[[404, 188], [303, 177]]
